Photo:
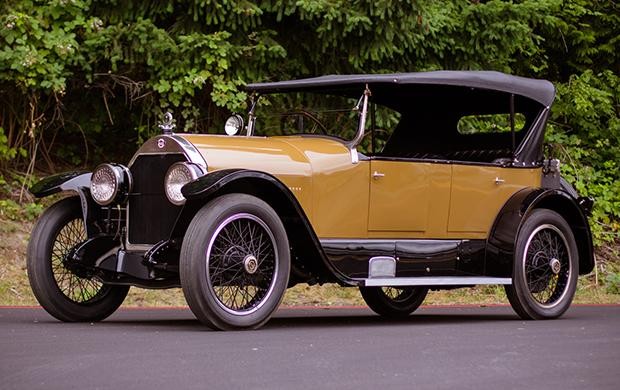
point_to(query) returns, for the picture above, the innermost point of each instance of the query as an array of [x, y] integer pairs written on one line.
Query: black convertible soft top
[[541, 91]]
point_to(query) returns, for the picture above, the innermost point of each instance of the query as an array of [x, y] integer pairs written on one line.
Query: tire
[[546, 267], [63, 294], [393, 302], [235, 263]]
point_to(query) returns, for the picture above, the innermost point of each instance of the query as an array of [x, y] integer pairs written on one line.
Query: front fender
[[205, 186], [66, 181], [503, 237], [74, 181]]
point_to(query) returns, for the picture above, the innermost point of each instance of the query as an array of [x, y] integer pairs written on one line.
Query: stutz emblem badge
[[161, 143]]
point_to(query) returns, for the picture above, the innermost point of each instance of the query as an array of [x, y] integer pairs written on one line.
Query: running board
[[434, 281]]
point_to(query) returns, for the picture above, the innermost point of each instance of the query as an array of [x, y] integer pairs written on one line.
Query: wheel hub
[[555, 265], [250, 264]]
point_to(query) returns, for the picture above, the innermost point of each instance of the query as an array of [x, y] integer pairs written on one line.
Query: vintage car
[[396, 184]]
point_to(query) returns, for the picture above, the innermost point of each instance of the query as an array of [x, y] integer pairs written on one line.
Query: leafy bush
[[585, 134], [612, 283], [19, 212], [78, 75]]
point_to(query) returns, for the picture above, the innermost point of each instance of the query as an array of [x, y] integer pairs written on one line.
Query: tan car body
[[374, 198]]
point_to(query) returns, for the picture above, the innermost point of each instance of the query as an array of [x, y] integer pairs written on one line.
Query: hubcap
[[250, 264], [555, 265]]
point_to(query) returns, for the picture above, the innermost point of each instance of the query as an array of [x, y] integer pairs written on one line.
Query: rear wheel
[[394, 302], [66, 293], [546, 267], [235, 263]]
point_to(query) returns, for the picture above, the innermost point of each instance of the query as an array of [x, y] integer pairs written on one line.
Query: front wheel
[[393, 302], [546, 267], [235, 263], [66, 293]]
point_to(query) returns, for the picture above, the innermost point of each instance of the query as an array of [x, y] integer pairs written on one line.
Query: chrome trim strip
[[435, 281], [191, 152], [170, 144]]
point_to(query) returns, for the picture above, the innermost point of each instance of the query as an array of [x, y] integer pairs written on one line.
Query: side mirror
[[234, 124]]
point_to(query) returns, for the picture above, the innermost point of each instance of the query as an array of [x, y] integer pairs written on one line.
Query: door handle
[[377, 175], [499, 181]]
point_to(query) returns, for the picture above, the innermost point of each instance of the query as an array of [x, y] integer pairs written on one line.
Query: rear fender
[[502, 239]]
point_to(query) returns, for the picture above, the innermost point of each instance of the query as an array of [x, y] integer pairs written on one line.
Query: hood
[[280, 156]]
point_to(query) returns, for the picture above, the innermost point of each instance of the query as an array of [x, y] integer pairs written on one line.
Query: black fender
[[77, 182], [305, 245], [503, 236], [66, 181]]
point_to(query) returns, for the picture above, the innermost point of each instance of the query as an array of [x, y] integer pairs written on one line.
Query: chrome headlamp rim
[[122, 183], [234, 125], [173, 191]]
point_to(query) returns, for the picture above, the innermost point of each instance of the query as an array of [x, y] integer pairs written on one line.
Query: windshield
[[305, 113]]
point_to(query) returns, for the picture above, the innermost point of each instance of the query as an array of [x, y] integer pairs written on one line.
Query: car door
[[478, 193], [408, 199]]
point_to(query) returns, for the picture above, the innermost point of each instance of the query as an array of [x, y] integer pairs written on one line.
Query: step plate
[[435, 281]]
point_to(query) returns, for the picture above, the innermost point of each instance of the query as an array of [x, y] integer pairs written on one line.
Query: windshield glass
[[305, 113]]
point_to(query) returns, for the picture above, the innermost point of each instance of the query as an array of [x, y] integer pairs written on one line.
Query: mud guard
[[74, 181], [66, 181], [505, 230]]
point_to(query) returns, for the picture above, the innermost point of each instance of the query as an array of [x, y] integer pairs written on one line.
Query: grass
[[601, 287]]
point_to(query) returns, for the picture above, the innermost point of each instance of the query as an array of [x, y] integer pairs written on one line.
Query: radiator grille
[[151, 216]]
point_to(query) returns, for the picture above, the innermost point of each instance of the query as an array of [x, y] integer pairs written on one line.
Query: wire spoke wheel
[[77, 288], [398, 294], [547, 265], [242, 263], [394, 302], [235, 262], [67, 290]]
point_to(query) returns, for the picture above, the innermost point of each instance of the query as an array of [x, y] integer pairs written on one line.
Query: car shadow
[[378, 321], [183, 319], [332, 318]]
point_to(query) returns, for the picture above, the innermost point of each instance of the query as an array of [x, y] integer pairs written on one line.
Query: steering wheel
[[316, 123]]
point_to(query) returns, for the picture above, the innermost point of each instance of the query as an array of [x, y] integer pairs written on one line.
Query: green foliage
[[14, 211], [490, 123], [76, 76], [8, 152], [585, 134], [612, 283]]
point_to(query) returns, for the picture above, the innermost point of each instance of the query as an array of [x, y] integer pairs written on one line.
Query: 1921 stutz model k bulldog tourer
[[392, 183]]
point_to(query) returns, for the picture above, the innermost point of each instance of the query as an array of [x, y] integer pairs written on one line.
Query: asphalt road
[[436, 348]]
